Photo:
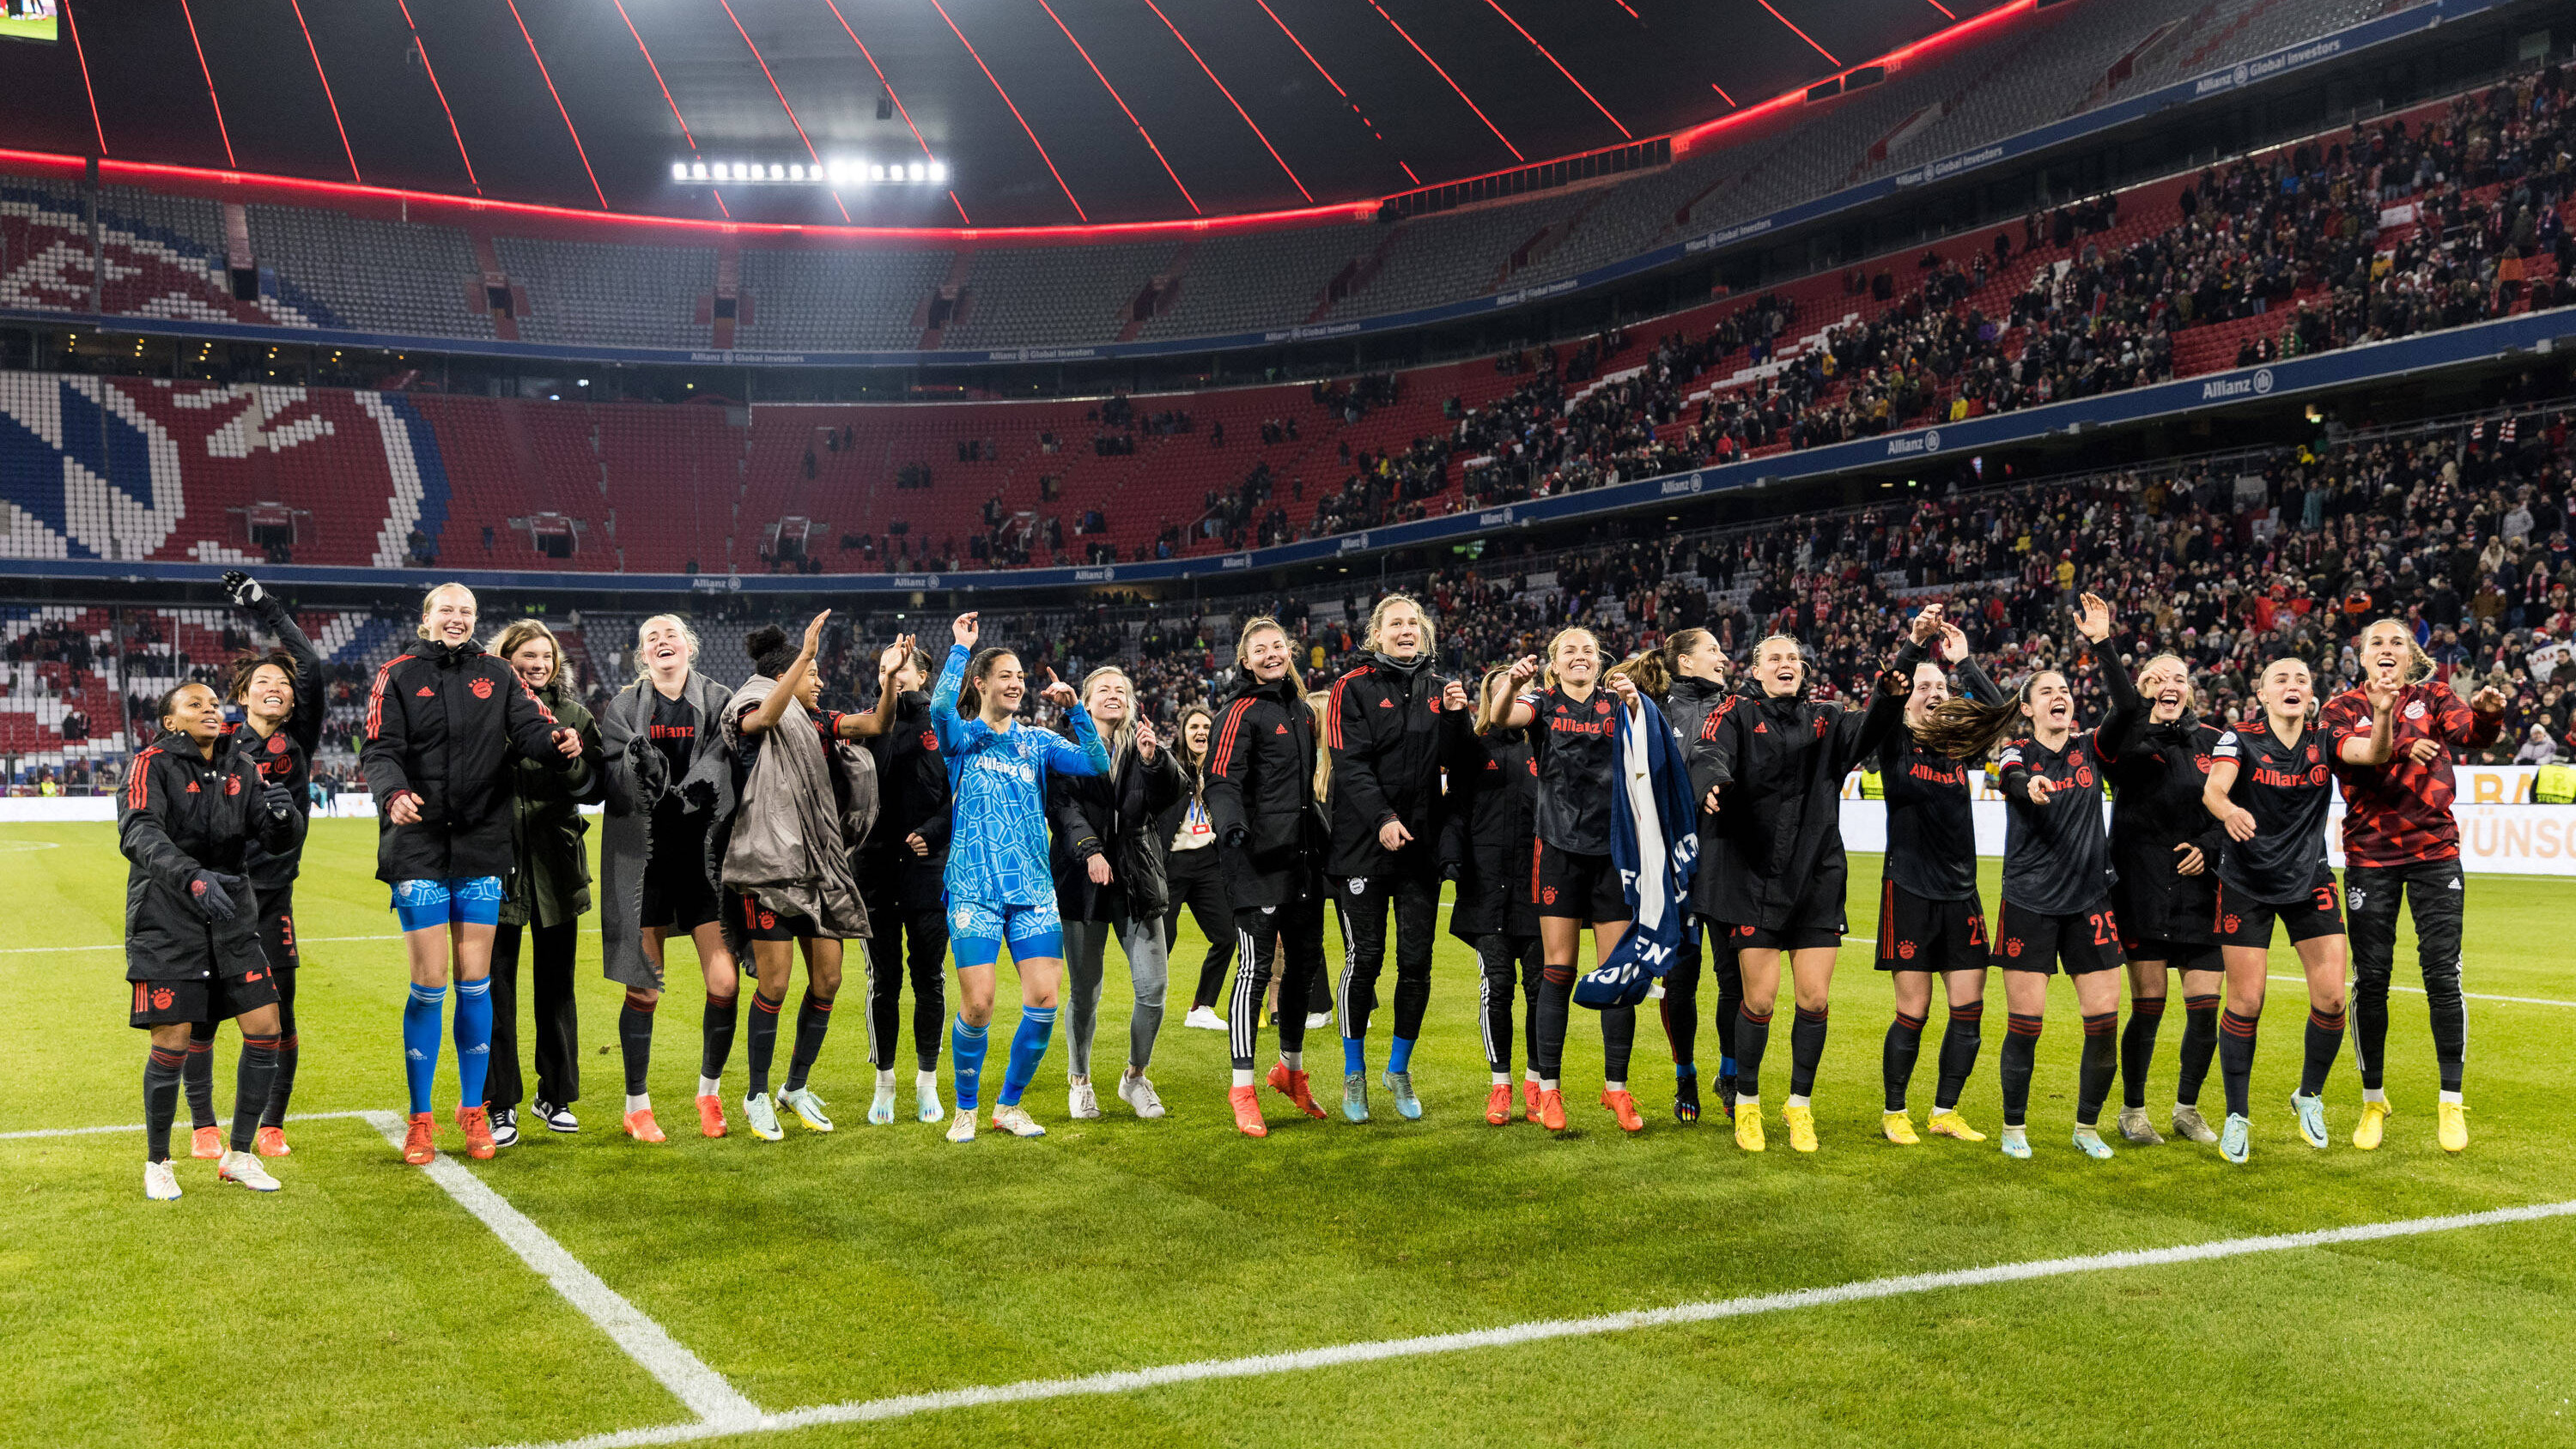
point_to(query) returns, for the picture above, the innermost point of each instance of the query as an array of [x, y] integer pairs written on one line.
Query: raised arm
[[1508, 710], [2379, 745], [877, 721], [773, 708], [305, 725]]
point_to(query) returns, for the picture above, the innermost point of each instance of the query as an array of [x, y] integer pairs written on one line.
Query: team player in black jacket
[[1930, 922], [190, 814], [1261, 796], [1573, 723], [2269, 785], [1695, 670], [2163, 850], [280, 695], [444, 722], [2057, 877], [900, 881], [1492, 817], [1770, 762], [1391, 723]]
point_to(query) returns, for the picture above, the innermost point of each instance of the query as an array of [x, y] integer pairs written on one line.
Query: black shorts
[[2177, 955], [2243, 922], [2086, 941], [203, 998], [1783, 938], [677, 897], [1575, 886], [1919, 934], [277, 929], [761, 923]]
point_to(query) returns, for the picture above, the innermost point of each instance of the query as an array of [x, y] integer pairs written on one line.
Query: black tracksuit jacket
[[1390, 737], [1260, 796], [181, 813], [444, 723]]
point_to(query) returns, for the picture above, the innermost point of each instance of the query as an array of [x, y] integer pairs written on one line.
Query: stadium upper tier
[[2423, 233], [352, 265]]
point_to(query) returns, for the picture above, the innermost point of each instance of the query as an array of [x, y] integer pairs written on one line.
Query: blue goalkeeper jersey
[[997, 849]]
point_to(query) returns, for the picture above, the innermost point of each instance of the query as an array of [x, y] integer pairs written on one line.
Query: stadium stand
[[381, 276], [856, 301], [615, 295]]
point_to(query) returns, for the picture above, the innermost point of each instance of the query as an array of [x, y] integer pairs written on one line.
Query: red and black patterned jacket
[[181, 813], [2400, 812], [443, 724]]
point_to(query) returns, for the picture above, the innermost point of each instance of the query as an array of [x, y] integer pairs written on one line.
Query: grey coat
[[797, 826], [626, 834]]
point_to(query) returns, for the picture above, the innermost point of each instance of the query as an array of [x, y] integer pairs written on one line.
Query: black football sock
[[715, 1034], [199, 1074], [252, 1082], [1896, 1058], [160, 1100], [1555, 1000], [1806, 1050], [2138, 1048], [2325, 1039], [1959, 1042], [813, 1019], [635, 1039], [2101, 1063], [2020, 1055], [282, 1086], [2236, 1061], [1618, 1041], [2199, 1044], [1752, 1039], [764, 1041]]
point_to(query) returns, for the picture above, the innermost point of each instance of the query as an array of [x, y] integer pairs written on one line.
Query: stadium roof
[[1039, 112]]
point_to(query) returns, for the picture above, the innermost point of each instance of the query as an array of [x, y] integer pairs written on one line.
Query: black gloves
[[244, 589], [279, 802], [214, 894], [1234, 836]]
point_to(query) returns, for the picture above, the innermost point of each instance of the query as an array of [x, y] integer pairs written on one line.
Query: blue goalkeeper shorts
[[976, 932], [464, 901]]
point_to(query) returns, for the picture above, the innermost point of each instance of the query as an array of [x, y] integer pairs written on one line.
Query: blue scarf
[[1654, 841]]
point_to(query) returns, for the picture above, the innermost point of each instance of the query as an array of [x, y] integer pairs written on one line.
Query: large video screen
[[29, 19]]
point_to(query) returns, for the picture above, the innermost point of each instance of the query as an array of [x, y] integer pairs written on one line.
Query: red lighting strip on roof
[[220, 128], [345, 150], [1623, 4], [1721, 93], [1944, 9], [1794, 30], [577, 148], [83, 57], [899, 109], [1453, 85], [1561, 70], [657, 74], [773, 80], [423, 47], [1122, 105], [1229, 99], [1689, 139], [1015, 110], [1301, 48]]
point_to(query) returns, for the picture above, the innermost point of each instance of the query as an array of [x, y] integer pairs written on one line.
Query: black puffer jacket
[[180, 814], [1261, 797], [443, 723], [1492, 826], [913, 777], [1777, 838], [1112, 815], [1389, 736]]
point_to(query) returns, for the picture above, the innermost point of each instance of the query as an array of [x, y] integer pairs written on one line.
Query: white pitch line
[[720, 1408], [137, 1126], [1128, 1381], [2466, 995], [120, 945]]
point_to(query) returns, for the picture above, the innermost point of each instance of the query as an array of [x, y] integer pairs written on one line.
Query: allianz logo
[[1235, 561], [1495, 519], [2259, 383], [1094, 576], [1354, 543], [1690, 484], [1927, 441], [916, 581]]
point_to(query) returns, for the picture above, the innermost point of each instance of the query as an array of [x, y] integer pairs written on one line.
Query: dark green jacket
[[552, 883]]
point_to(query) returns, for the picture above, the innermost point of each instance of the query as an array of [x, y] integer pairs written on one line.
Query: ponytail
[[1968, 729]]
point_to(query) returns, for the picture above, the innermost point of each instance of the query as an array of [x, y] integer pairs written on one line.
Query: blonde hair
[[2190, 691], [1318, 708], [520, 631], [1969, 729], [1243, 654], [1547, 665], [2420, 665], [1123, 738], [1646, 671], [1377, 621], [430, 599], [688, 636]]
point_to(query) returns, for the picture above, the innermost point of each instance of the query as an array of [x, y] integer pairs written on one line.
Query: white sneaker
[[557, 1118], [925, 1096], [761, 1115], [808, 1108], [1081, 1103], [1204, 1018], [962, 1129], [246, 1169], [1138, 1092], [1315, 1019], [160, 1181], [1017, 1122], [881, 1110]]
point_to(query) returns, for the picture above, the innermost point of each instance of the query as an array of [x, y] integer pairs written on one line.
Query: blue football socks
[[966, 1048], [1399, 1055], [473, 1039], [1028, 1045], [1354, 1055], [421, 1011]]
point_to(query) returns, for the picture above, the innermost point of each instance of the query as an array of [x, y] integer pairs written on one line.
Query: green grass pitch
[[363, 1305]]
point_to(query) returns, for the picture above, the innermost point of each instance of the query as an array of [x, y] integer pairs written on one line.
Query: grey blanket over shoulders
[[792, 839]]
